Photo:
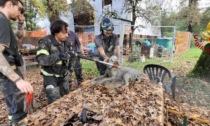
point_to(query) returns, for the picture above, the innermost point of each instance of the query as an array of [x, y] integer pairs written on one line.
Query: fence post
[[121, 42]]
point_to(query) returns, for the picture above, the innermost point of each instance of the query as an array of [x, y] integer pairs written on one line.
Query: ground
[[194, 91]]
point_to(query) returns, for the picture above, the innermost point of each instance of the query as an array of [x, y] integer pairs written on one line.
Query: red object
[[29, 99], [115, 65]]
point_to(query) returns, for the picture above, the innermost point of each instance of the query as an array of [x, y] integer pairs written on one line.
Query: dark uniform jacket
[[48, 57], [73, 42], [108, 44], [7, 38]]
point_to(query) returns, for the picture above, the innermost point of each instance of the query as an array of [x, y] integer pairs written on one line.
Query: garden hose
[[188, 116]]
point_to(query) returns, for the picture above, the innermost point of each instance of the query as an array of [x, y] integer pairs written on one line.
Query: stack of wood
[[138, 104]]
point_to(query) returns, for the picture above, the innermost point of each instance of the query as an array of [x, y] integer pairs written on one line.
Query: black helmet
[[106, 24]]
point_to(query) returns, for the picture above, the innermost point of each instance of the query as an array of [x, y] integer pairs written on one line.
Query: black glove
[[72, 53], [67, 76], [64, 56]]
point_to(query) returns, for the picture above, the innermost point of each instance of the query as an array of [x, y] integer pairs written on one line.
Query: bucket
[[166, 43]]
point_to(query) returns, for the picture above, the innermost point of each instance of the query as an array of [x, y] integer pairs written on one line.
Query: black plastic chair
[[158, 73]]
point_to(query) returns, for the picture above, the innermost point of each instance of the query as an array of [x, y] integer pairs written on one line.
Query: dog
[[121, 73]]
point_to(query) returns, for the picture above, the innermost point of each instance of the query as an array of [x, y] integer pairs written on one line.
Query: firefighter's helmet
[[107, 25]]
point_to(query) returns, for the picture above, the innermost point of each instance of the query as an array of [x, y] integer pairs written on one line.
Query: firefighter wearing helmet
[[107, 44]]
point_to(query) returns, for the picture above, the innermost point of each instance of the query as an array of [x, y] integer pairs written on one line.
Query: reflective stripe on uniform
[[48, 74], [42, 51], [10, 117], [13, 67], [59, 62]]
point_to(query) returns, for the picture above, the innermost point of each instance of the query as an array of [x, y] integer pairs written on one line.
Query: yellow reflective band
[[48, 74], [103, 26], [10, 117], [42, 51], [59, 62]]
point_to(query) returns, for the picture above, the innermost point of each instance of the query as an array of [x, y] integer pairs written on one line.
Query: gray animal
[[123, 74]]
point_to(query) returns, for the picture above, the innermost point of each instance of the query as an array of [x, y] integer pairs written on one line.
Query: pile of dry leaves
[[139, 104]]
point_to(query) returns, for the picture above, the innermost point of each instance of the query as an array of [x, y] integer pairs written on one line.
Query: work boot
[[52, 94], [22, 122]]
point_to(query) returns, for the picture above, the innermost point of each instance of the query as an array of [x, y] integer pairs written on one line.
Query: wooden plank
[[182, 42]]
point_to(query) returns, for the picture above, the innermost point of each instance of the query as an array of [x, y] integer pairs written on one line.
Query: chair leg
[[173, 86], [184, 121]]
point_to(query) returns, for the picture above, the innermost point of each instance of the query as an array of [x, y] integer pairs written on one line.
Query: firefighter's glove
[[72, 53], [106, 59], [64, 56], [29, 103], [67, 76]]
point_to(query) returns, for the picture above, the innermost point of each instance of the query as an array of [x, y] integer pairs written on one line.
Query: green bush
[[168, 34], [192, 42]]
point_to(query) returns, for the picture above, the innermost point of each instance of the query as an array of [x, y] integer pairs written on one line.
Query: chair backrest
[[157, 72]]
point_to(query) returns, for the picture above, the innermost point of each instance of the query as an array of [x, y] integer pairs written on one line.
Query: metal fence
[[152, 42]]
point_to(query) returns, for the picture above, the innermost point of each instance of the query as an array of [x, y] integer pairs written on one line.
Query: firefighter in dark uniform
[[52, 55], [11, 80], [107, 44], [76, 46]]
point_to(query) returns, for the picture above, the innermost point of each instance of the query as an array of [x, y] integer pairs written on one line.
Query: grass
[[89, 68], [180, 60], [192, 53]]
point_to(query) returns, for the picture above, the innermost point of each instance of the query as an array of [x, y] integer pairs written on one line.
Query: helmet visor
[[108, 26]]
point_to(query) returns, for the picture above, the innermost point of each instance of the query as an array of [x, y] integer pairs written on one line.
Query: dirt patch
[[193, 91]]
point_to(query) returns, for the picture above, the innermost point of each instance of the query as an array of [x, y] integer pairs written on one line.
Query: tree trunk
[[190, 28], [131, 34], [130, 40], [202, 66], [53, 14], [54, 17]]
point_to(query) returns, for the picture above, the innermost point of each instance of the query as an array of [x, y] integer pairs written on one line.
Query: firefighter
[[75, 45], [11, 80], [53, 56], [107, 44]]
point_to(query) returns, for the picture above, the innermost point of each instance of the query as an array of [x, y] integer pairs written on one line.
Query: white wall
[[148, 28], [97, 5], [67, 17], [116, 5], [44, 22]]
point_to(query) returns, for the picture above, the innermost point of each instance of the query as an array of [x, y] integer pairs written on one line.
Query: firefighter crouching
[[55, 61]]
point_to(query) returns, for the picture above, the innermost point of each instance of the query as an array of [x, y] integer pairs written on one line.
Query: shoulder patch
[[42, 46], [54, 48], [72, 43]]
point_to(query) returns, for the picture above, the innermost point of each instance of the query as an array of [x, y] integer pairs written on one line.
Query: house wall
[[116, 5], [67, 17], [148, 29]]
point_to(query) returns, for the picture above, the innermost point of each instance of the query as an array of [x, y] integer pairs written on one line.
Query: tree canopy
[[135, 8]]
